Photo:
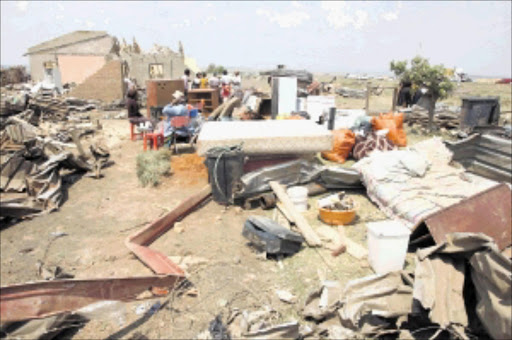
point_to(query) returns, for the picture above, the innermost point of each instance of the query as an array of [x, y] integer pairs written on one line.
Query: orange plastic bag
[[394, 123], [344, 141]]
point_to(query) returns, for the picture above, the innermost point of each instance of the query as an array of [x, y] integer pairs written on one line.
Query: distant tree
[[219, 69], [423, 75], [212, 68]]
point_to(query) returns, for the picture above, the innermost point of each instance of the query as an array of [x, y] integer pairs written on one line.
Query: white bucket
[[387, 245], [299, 197]]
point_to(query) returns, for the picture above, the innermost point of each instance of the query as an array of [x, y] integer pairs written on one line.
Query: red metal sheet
[[42, 299], [139, 241], [488, 212]]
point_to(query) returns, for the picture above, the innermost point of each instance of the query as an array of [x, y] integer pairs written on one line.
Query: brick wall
[[105, 85]]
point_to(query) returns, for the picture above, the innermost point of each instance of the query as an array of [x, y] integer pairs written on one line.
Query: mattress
[[411, 184], [266, 137]]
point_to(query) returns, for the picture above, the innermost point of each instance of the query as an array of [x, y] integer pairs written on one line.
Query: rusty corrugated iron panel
[[42, 299], [488, 212]]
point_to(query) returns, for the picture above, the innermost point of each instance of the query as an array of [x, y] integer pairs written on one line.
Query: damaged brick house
[[158, 63], [97, 64]]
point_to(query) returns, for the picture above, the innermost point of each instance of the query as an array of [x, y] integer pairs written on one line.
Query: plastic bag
[[344, 141], [394, 123], [373, 141]]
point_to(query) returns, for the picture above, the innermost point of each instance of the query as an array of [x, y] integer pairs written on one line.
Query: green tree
[[423, 75], [212, 68]]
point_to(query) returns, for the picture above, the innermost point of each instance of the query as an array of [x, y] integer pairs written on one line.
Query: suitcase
[[269, 236]]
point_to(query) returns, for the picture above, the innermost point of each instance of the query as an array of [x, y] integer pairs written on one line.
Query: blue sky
[[319, 36]]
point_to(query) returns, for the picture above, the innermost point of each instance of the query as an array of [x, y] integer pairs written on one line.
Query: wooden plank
[[309, 234], [353, 248], [367, 105], [285, 212], [395, 99], [342, 244]]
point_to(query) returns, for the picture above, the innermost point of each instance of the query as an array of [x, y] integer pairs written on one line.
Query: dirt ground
[[99, 214]]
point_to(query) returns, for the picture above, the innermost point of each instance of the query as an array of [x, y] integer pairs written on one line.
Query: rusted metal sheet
[[139, 241], [485, 155], [488, 212], [42, 299]]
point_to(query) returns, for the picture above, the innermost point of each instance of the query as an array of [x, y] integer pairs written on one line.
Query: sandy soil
[[99, 214]]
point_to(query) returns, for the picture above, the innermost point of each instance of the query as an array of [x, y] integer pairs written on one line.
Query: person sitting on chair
[[132, 105]]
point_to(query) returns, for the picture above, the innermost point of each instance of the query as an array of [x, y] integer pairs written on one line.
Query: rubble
[[38, 141], [459, 221]]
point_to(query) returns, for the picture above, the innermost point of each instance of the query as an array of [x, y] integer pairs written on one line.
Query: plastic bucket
[[387, 245], [299, 197]]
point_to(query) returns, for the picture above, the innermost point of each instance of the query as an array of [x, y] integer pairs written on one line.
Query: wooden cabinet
[[209, 96], [159, 92]]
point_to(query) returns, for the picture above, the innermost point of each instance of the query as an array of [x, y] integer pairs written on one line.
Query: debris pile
[[348, 92], [460, 287], [13, 75], [42, 140], [442, 118], [351, 93]]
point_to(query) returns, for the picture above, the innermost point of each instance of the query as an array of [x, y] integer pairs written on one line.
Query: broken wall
[[105, 85], [173, 65]]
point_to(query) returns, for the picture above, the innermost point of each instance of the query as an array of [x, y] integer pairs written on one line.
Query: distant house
[[76, 55], [98, 63]]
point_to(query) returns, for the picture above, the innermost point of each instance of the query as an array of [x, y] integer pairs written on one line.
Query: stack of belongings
[[365, 135], [263, 144]]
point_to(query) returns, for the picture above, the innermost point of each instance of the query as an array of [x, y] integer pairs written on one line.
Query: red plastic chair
[[176, 123], [133, 134], [157, 138]]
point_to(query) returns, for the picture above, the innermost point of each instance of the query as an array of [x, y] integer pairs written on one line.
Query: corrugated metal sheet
[[485, 155], [487, 212]]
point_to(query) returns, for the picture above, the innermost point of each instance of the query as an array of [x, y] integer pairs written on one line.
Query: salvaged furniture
[[208, 98], [160, 92]]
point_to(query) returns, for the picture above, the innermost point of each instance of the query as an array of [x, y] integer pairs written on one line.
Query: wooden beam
[[368, 90], [285, 212], [309, 234], [395, 99], [342, 244], [353, 248]]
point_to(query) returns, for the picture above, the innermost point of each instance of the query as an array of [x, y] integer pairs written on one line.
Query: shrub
[[152, 165]]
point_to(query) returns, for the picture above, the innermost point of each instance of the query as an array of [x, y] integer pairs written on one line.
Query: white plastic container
[[299, 197], [387, 245]]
